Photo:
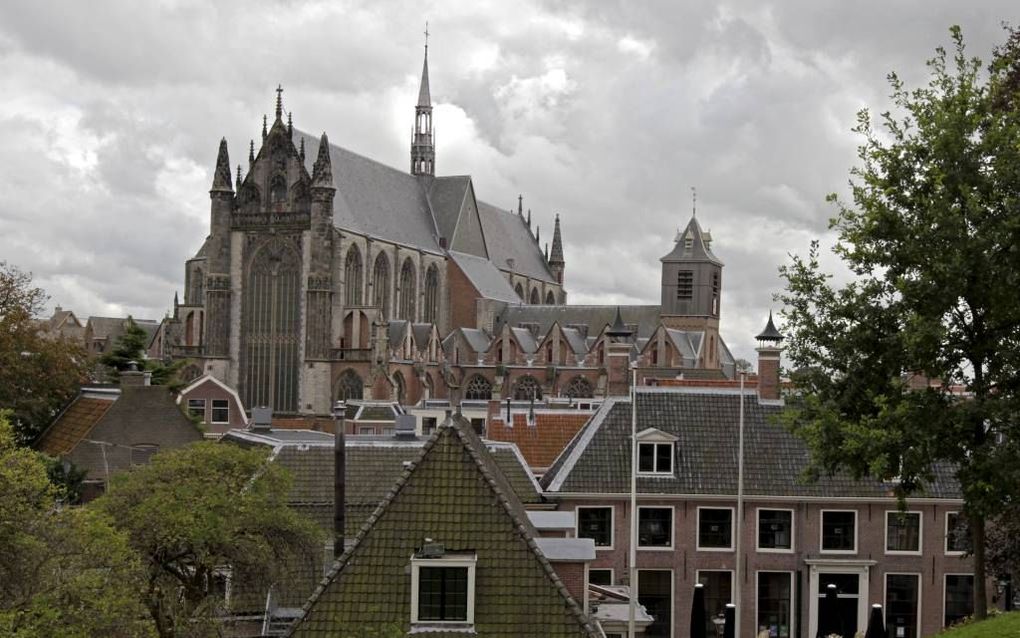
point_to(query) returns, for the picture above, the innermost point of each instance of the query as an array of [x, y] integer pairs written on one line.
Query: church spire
[[556, 257], [322, 170], [221, 176], [423, 151]]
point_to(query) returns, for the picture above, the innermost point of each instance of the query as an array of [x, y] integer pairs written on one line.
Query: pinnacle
[[221, 175]]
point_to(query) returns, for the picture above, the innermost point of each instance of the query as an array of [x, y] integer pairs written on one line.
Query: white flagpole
[[740, 510], [632, 607]]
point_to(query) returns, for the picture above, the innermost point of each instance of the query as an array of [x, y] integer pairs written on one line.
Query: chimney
[[261, 420], [134, 377], [339, 477], [769, 349], [618, 346]]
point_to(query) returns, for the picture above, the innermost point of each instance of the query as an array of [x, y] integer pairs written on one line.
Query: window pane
[[775, 529], [714, 527], [442, 593], [220, 411], [600, 576], [596, 523], [196, 408], [646, 457], [655, 592], [958, 538], [903, 532], [838, 531], [718, 592], [901, 605], [774, 609], [664, 458], [655, 527], [959, 598]]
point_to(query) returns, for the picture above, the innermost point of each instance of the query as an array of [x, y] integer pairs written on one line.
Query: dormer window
[[655, 453], [442, 587]]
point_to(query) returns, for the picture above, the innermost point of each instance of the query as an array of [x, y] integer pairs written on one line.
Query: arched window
[[535, 299], [189, 329], [381, 284], [408, 289], [197, 286], [526, 388], [519, 291], [579, 388], [278, 189], [353, 277], [400, 388], [478, 389], [430, 310], [550, 298], [349, 386]]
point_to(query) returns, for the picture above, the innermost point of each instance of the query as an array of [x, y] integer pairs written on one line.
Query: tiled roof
[[507, 237], [644, 318], [74, 424], [487, 280], [447, 198], [454, 495], [706, 424], [542, 442]]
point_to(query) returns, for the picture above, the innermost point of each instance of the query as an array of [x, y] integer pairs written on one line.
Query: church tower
[[692, 287], [423, 150]]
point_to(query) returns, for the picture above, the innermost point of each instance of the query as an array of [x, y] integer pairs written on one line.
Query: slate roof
[[74, 423], [542, 442], [487, 280], [381, 201], [595, 318], [447, 197], [454, 494], [699, 248], [706, 424]]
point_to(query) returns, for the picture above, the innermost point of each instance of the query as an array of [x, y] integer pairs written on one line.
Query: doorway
[[851, 580]]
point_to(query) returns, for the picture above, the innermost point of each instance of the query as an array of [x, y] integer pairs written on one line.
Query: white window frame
[[655, 456], [612, 575], [920, 534], [945, 587], [447, 561], [672, 592], [945, 536], [793, 593], [920, 598], [821, 532], [213, 408], [672, 529], [757, 531], [733, 531], [205, 406], [653, 436], [612, 524]]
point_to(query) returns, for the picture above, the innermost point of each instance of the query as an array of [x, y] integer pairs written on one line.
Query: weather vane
[[426, 35], [694, 200]]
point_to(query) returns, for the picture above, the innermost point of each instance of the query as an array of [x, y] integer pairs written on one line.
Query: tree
[[931, 237], [39, 374], [197, 511], [63, 572], [130, 349]]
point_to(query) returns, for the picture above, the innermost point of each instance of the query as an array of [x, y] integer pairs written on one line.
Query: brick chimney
[[134, 377], [618, 346], [769, 349]]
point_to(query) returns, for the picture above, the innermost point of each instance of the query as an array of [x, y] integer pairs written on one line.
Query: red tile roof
[[543, 441], [73, 425]]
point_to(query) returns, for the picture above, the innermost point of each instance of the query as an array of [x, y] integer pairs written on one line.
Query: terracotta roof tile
[[72, 425], [543, 441]]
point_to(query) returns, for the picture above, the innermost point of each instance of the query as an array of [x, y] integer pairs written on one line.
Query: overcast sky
[[605, 112]]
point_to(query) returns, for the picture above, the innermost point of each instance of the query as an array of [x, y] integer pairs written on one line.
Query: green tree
[[931, 237], [39, 374], [196, 511], [130, 348], [63, 571]]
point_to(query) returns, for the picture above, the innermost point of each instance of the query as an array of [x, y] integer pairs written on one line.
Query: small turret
[[555, 259], [251, 154], [322, 170], [221, 175], [238, 185], [769, 349]]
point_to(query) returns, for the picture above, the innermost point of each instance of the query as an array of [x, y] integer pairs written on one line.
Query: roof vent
[[404, 427], [432, 550], [261, 419]]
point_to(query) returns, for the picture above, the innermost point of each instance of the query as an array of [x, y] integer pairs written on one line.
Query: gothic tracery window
[[353, 277], [519, 291], [381, 284], [535, 299], [478, 389], [527, 388], [430, 309], [278, 189], [579, 388], [550, 298], [408, 290], [349, 386]]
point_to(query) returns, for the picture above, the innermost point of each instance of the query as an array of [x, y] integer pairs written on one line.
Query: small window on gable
[[220, 411], [196, 408], [442, 588], [655, 453]]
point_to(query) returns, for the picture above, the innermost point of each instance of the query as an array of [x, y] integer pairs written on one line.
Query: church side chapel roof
[[526, 340], [455, 474], [576, 340], [508, 238], [484, 276], [705, 422], [477, 339], [645, 318], [447, 197]]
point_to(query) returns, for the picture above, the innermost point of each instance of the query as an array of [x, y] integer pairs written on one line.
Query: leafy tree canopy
[[63, 572], [195, 511], [915, 362], [39, 373], [130, 348]]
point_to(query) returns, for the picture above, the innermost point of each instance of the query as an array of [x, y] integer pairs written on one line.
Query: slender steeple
[[322, 170], [423, 150], [555, 260], [221, 176], [238, 177]]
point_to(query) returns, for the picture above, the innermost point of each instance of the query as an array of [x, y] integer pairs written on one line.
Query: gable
[[468, 236], [453, 496]]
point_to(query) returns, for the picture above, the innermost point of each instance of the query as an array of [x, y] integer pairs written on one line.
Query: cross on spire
[[426, 37], [279, 101]]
